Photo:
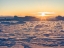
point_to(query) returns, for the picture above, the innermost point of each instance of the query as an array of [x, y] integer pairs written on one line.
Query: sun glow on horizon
[[46, 13]]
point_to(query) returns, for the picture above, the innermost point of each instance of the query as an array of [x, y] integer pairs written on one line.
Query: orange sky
[[30, 7]]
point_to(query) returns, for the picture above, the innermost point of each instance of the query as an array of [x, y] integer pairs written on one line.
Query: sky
[[30, 7]]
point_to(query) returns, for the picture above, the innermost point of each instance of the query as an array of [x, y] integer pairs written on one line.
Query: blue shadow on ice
[[7, 42]]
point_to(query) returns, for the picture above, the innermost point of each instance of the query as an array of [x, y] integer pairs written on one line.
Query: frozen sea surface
[[32, 34]]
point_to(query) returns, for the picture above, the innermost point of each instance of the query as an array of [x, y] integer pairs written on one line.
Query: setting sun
[[45, 13]]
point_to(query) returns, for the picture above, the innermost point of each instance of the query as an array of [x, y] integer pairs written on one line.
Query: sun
[[45, 13]]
